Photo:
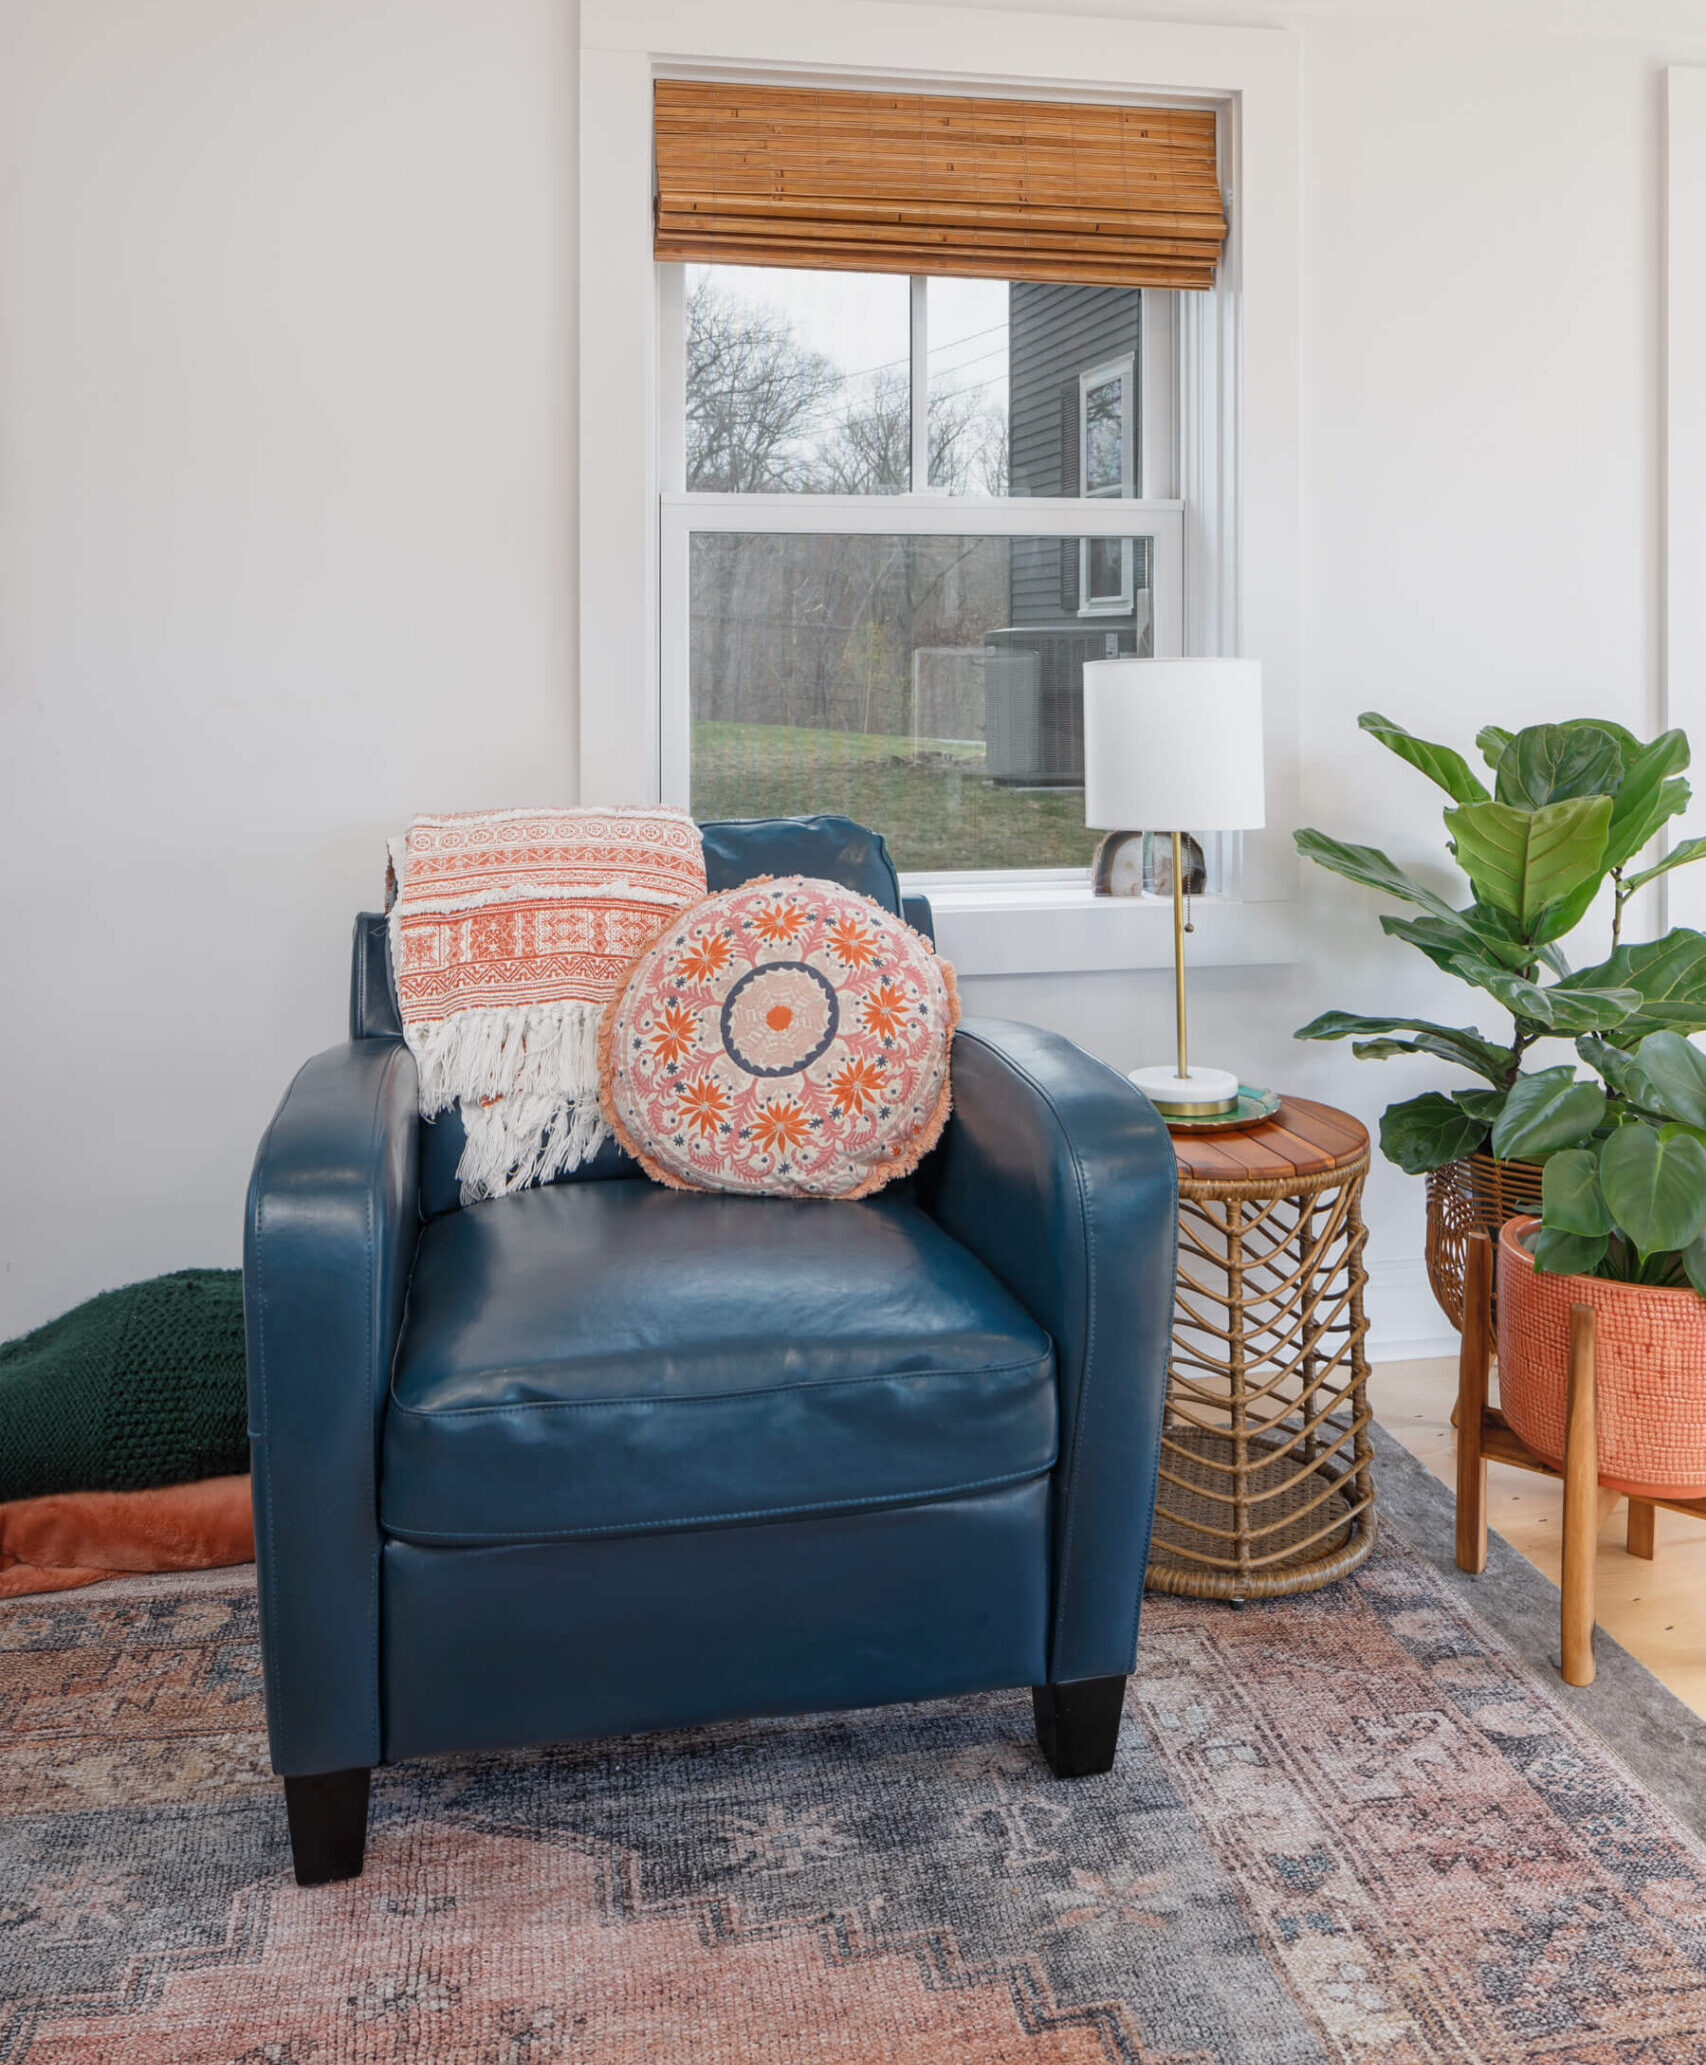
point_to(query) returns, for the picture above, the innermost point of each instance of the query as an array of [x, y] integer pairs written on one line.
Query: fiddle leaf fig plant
[[1623, 1187], [1570, 807]]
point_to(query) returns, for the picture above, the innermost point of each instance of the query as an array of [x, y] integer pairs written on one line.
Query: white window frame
[[1124, 370], [927, 516], [1237, 365]]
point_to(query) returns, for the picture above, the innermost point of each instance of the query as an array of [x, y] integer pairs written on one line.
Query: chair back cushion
[[833, 849], [373, 1012]]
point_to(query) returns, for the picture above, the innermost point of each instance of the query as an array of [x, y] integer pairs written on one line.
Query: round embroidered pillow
[[787, 1038]]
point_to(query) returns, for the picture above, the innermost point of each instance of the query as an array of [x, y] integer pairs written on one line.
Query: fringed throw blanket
[[510, 930]]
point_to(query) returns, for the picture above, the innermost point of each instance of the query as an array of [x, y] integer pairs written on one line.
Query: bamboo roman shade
[[926, 183]]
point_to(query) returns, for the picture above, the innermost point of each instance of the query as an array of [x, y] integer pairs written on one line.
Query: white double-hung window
[[918, 434], [899, 515], [880, 444]]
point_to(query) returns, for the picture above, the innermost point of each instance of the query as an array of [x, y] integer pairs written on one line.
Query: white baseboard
[[1404, 1322]]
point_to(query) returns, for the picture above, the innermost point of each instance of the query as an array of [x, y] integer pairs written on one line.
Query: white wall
[[286, 494], [286, 546]]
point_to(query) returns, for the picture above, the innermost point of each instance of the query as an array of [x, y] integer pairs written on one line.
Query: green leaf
[[1476, 931], [1484, 1105], [1506, 938], [1625, 738], [1369, 866], [1611, 1062], [1560, 1007], [1668, 1075], [1694, 1262], [1647, 796], [1491, 741], [1670, 974], [1428, 1131], [1571, 1199], [1461, 1044], [1567, 1254], [1440, 764], [1527, 862], [1546, 1111], [1655, 1188], [1563, 918], [1550, 763], [1678, 857]]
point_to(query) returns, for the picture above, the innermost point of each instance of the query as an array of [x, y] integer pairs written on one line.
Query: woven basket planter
[[1650, 1369], [1476, 1192]]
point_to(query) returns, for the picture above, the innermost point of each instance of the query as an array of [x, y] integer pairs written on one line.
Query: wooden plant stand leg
[[1581, 1501], [1642, 1515], [1472, 1362]]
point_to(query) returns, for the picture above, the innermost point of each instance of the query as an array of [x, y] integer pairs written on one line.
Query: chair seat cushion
[[612, 1358]]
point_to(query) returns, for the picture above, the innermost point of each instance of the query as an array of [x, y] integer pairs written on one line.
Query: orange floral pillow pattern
[[789, 1038]]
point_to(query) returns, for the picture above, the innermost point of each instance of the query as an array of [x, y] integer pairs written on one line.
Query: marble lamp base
[[1203, 1093]]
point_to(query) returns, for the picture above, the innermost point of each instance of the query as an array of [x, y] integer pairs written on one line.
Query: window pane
[[931, 687], [1011, 412], [798, 382], [1103, 403], [968, 333]]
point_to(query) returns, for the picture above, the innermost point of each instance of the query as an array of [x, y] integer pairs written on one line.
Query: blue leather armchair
[[605, 1456]]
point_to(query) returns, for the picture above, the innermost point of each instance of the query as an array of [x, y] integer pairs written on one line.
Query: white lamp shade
[[1173, 745]]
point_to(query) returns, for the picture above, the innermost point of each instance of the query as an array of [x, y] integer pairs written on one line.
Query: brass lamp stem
[[1179, 949]]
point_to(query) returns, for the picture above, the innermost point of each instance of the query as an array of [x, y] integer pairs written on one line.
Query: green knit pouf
[[137, 1387]]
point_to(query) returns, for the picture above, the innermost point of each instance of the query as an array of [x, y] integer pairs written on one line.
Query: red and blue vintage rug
[[1348, 1828]]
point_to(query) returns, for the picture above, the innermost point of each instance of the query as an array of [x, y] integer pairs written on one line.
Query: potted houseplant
[[1570, 808], [1622, 1229]]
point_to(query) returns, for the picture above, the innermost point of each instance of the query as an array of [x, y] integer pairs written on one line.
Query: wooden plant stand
[[1484, 1435], [1266, 1488]]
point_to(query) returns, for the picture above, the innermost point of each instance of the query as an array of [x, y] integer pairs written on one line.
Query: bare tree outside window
[[767, 414], [757, 398]]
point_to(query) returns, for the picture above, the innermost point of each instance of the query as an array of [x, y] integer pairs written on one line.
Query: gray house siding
[[1055, 333]]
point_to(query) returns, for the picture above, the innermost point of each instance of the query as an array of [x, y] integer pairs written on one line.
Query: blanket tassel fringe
[[527, 1080]]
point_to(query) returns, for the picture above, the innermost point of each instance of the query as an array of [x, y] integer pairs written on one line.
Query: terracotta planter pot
[[1650, 1364]]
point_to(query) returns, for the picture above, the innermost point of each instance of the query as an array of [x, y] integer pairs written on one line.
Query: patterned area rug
[[1348, 1827]]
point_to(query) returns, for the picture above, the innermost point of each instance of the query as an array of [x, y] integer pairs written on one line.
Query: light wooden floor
[[1656, 1610]]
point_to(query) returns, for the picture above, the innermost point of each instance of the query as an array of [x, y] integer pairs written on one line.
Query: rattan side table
[[1265, 1486]]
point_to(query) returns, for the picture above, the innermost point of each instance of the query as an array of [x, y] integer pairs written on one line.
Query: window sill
[[1064, 928]]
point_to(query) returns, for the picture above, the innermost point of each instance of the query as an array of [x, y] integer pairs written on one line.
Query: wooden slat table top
[[1303, 1140]]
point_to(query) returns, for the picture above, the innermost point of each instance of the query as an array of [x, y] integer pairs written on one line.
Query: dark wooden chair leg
[[1078, 1724], [328, 1825]]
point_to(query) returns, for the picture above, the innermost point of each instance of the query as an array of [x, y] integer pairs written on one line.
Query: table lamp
[[1175, 744]]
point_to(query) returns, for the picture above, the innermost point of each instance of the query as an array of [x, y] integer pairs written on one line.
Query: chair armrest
[[333, 1217], [1060, 1177]]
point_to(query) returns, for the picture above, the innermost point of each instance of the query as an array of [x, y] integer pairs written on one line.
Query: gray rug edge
[[1661, 1741]]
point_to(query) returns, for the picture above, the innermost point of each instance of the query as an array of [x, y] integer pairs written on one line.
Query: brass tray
[[1254, 1106]]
